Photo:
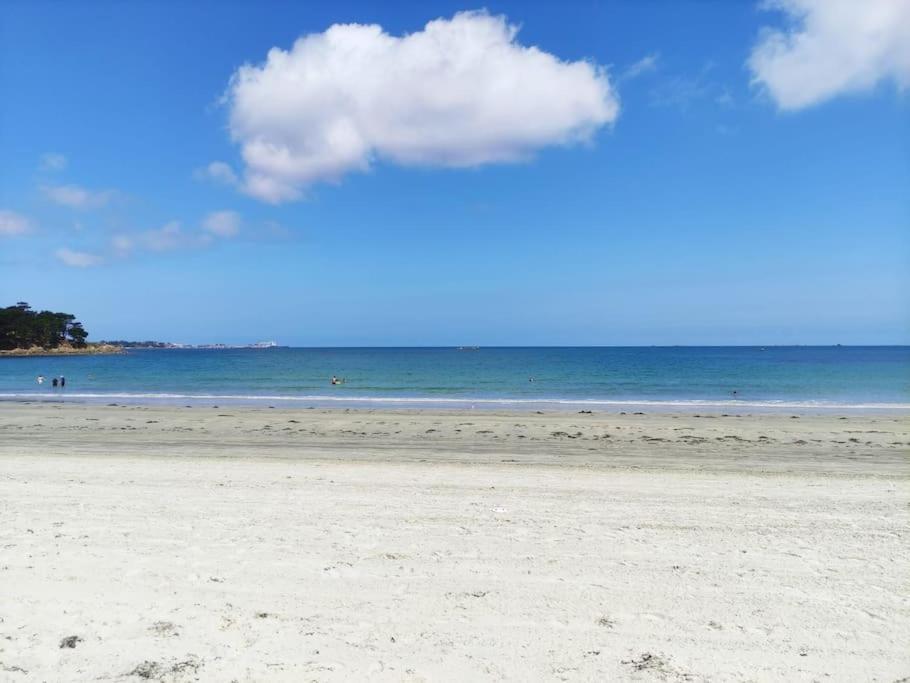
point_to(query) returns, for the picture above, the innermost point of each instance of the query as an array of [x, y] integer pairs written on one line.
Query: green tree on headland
[[23, 328]]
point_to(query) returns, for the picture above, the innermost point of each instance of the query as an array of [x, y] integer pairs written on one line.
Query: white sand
[[181, 545]]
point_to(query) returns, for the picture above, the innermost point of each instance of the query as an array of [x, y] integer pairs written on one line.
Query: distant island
[[172, 345], [26, 332], [123, 344]]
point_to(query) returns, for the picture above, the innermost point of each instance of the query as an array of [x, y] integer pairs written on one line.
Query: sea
[[790, 378], [868, 378]]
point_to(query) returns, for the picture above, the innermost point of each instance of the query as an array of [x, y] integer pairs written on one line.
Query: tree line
[[23, 328]]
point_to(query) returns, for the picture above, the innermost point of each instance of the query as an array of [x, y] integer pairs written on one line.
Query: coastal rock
[[65, 350]]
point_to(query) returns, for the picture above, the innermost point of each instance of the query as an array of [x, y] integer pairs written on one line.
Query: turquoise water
[[858, 377]]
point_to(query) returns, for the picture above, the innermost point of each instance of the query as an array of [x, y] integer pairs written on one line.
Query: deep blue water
[[763, 377]]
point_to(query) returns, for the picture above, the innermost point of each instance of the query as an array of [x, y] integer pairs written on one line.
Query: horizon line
[[225, 346]]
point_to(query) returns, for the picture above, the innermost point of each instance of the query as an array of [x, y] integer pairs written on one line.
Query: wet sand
[[239, 544]]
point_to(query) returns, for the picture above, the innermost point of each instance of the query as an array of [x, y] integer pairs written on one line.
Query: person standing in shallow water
[[54, 382], [62, 381]]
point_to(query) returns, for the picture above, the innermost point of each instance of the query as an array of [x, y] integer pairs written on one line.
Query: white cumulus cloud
[[222, 223], [13, 224], [78, 259], [461, 92], [77, 197], [832, 47]]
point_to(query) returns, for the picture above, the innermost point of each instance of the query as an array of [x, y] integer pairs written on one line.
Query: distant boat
[[468, 348]]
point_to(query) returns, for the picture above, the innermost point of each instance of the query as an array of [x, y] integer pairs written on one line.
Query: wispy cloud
[[13, 224], [725, 99], [645, 65], [172, 236], [169, 237], [76, 197], [222, 223], [52, 162], [683, 91], [122, 245], [272, 230], [219, 172], [78, 259], [166, 238]]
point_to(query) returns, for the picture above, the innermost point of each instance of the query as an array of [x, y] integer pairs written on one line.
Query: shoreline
[[454, 404]]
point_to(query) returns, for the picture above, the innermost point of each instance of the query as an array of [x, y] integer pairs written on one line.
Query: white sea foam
[[459, 402]]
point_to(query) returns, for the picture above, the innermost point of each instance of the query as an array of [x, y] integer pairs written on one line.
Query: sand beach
[[226, 543]]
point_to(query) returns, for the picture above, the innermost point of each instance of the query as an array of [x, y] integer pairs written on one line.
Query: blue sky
[[712, 173]]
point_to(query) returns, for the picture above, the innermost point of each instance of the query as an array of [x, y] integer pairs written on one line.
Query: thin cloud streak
[[76, 197], [13, 224]]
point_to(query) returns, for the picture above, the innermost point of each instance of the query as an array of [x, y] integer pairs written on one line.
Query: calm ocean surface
[[786, 377]]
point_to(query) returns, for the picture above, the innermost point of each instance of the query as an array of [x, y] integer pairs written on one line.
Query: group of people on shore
[[55, 381]]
